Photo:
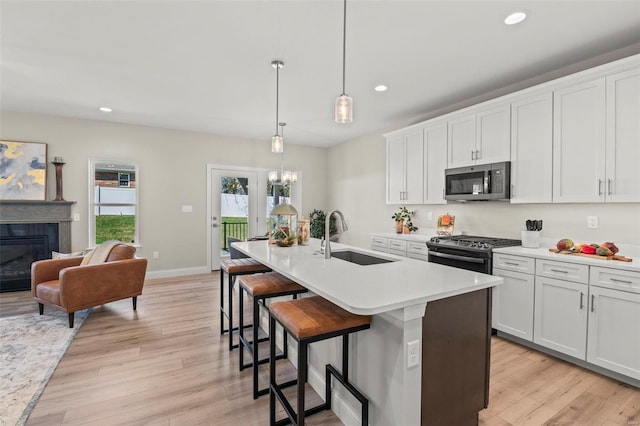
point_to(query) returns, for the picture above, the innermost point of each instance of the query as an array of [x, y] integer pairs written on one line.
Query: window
[[113, 202], [124, 179]]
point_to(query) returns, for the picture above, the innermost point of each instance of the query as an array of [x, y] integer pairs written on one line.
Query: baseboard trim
[[168, 273]]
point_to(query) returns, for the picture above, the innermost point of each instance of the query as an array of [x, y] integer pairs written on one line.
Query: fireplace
[[30, 231]]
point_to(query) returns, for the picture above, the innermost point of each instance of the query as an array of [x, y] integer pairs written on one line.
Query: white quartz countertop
[[366, 289], [544, 253], [419, 237]]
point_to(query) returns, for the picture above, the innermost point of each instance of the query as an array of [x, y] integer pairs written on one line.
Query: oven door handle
[[455, 257]]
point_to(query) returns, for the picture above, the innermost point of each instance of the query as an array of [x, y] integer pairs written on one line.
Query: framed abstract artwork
[[23, 170]]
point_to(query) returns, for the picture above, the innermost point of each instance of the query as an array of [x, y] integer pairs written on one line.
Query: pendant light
[[282, 177], [344, 103], [277, 141]]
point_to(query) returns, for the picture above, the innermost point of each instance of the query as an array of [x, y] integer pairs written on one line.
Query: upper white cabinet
[[435, 162], [531, 149], [578, 146], [479, 138], [622, 173], [405, 179]]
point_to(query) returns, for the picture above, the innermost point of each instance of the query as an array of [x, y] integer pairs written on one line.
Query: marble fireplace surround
[[29, 212]]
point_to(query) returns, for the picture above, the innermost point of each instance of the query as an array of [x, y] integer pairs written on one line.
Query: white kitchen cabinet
[[405, 179], [532, 149], [418, 250], [379, 244], [560, 316], [435, 162], [480, 137], [578, 145], [614, 331], [622, 174], [513, 302]]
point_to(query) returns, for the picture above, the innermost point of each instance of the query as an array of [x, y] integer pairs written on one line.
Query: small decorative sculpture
[[58, 163]]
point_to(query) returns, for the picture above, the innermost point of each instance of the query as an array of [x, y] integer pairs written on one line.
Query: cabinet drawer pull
[[593, 302], [617, 280], [599, 186], [581, 300], [512, 263], [559, 270], [608, 186]]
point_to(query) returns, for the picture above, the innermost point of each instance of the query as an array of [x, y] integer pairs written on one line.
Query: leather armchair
[[66, 285]]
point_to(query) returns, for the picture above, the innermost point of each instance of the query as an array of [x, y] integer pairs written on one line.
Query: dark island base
[[456, 343]]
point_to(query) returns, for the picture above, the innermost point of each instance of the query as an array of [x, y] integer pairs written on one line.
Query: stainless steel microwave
[[484, 182]]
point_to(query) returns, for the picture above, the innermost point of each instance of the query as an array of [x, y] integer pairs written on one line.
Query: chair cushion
[[243, 266], [316, 316], [49, 291], [270, 284], [121, 252]]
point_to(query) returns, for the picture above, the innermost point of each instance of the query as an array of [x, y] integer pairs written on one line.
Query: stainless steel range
[[466, 251]]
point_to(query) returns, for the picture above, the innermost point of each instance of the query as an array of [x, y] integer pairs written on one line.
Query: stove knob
[[435, 240]]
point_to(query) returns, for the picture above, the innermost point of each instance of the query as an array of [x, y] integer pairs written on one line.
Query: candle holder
[[58, 163]]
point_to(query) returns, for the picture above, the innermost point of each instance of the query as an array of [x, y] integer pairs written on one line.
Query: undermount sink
[[359, 258]]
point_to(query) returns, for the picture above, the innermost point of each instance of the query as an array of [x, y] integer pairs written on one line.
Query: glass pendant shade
[[344, 109], [273, 176], [277, 144]]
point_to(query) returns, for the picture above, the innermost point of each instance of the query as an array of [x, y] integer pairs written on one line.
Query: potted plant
[[403, 220], [316, 225]]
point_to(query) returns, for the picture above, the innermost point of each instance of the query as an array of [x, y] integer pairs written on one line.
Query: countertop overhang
[[367, 289]]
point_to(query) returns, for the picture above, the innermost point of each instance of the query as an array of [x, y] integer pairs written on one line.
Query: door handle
[[513, 190], [593, 302], [608, 186], [472, 156], [477, 154], [599, 186], [214, 225], [581, 300]]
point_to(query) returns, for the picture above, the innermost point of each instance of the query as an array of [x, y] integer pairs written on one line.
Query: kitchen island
[[443, 311]]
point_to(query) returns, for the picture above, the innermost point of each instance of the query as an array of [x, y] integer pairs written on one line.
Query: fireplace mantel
[[41, 212]]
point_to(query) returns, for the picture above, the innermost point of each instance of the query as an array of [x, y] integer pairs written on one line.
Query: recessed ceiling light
[[515, 18], [105, 109], [380, 88]]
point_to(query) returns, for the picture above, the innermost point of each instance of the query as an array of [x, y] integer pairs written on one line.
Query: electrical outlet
[[76, 217], [156, 255], [187, 209], [592, 222], [413, 353], [429, 215]]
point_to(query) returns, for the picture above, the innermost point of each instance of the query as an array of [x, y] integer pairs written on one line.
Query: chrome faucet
[[327, 221]]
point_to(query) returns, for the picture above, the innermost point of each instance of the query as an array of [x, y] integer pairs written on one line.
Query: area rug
[[32, 347]]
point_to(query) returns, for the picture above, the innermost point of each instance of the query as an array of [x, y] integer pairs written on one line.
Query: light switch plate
[[187, 209], [592, 222]]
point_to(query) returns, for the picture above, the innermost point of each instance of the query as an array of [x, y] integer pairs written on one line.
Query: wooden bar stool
[[233, 268], [310, 320], [262, 287]]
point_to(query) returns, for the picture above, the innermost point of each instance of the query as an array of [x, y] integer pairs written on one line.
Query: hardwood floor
[[167, 365]]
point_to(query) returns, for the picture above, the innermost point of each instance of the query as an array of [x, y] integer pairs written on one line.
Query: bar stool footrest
[[331, 371], [288, 408]]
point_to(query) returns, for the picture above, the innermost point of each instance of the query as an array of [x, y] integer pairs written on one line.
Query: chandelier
[[282, 176]]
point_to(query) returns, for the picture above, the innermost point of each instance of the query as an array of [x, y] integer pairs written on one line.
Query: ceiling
[[205, 66]]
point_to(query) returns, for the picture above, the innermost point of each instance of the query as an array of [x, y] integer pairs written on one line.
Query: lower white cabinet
[[414, 249], [560, 316], [513, 304], [614, 331]]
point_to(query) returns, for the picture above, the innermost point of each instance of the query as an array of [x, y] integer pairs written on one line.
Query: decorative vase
[[405, 230], [304, 232], [399, 226]]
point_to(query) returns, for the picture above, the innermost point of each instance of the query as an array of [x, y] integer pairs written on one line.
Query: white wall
[[173, 173], [357, 187]]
